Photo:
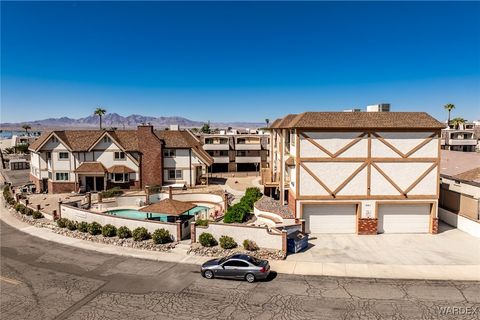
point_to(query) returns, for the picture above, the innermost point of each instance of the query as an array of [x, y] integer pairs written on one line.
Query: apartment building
[[462, 138], [95, 160], [357, 172], [234, 151]]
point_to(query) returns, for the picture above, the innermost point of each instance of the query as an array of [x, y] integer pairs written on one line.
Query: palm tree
[[449, 107], [457, 122], [26, 127], [100, 112], [267, 121]]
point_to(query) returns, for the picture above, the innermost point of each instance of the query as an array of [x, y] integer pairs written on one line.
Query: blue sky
[[233, 61]]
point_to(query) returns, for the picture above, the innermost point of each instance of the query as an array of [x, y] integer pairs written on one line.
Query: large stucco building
[[94, 160], [357, 172]]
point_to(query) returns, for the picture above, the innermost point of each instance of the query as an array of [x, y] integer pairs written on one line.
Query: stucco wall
[[260, 235], [462, 223], [77, 214]]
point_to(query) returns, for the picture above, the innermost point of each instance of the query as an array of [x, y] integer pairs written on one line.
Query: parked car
[[237, 266]]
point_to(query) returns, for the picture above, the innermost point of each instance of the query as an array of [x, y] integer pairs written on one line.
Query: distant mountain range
[[121, 122]]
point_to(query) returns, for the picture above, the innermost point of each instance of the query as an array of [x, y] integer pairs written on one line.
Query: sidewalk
[[434, 272]]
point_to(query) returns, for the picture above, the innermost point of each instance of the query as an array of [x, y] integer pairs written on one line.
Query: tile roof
[[470, 175], [91, 167], [169, 206], [120, 169], [453, 163], [360, 120], [83, 140]]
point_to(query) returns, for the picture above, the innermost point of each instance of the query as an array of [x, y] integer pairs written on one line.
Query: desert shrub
[[124, 232], [227, 242], [82, 226], [207, 240], [109, 230], [71, 225], [94, 228], [201, 222], [18, 207], [28, 211], [155, 189], [140, 234], [113, 192], [250, 245], [160, 236], [62, 222], [37, 214]]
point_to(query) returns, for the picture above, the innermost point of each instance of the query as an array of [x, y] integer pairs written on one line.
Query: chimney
[[174, 127], [151, 160]]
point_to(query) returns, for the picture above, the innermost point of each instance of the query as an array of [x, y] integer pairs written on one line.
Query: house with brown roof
[[357, 172], [95, 160]]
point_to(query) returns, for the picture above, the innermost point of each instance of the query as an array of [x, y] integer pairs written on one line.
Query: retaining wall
[[77, 214], [461, 223]]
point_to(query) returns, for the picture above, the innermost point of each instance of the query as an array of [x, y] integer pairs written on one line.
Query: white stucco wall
[[260, 235], [461, 223]]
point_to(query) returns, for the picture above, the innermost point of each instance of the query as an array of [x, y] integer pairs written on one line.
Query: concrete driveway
[[449, 247]]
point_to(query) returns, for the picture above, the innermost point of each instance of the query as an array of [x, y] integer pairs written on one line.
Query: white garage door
[[401, 218], [330, 218]]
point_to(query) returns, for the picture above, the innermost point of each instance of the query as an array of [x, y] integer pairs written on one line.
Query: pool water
[[135, 214]]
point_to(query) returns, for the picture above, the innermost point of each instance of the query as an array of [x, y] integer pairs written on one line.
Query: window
[[54, 139], [210, 152], [235, 263], [120, 177], [63, 156], [49, 155], [169, 153], [61, 176], [119, 155], [241, 153], [174, 174], [106, 139], [223, 153]]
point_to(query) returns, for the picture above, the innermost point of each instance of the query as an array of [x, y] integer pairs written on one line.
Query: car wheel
[[250, 278], [208, 274]]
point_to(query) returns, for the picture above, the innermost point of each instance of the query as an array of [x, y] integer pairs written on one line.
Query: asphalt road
[[44, 280]]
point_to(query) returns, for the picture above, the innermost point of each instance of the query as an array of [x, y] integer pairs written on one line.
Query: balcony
[[248, 146], [247, 159], [216, 146], [221, 159], [462, 142]]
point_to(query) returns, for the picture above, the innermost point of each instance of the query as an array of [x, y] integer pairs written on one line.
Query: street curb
[[417, 272]]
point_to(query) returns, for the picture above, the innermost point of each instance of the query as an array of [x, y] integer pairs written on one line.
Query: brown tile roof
[[91, 167], [284, 122], [470, 175], [169, 206], [453, 163], [361, 120], [120, 169], [274, 124]]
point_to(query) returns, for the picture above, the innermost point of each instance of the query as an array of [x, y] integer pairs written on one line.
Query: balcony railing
[[221, 159], [216, 146], [247, 159], [462, 142]]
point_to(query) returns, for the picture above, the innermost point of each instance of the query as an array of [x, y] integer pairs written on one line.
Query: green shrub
[[124, 232], [109, 230], [201, 222], [113, 192], [160, 236], [62, 222], [249, 245], [140, 234], [71, 225], [28, 211], [19, 207], [227, 242], [37, 214], [155, 189], [82, 226], [94, 228], [207, 240], [239, 212]]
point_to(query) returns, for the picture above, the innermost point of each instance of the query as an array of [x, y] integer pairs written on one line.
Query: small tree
[[267, 121], [26, 127], [205, 128]]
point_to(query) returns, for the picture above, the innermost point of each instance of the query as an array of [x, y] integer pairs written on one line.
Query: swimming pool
[[135, 214]]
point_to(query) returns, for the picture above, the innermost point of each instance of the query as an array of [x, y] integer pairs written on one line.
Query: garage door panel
[[404, 218], [330, 218]]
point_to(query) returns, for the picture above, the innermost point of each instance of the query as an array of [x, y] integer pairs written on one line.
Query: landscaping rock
[[217, 251]]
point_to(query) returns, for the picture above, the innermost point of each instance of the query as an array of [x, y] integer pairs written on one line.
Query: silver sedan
[[237, 266]]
